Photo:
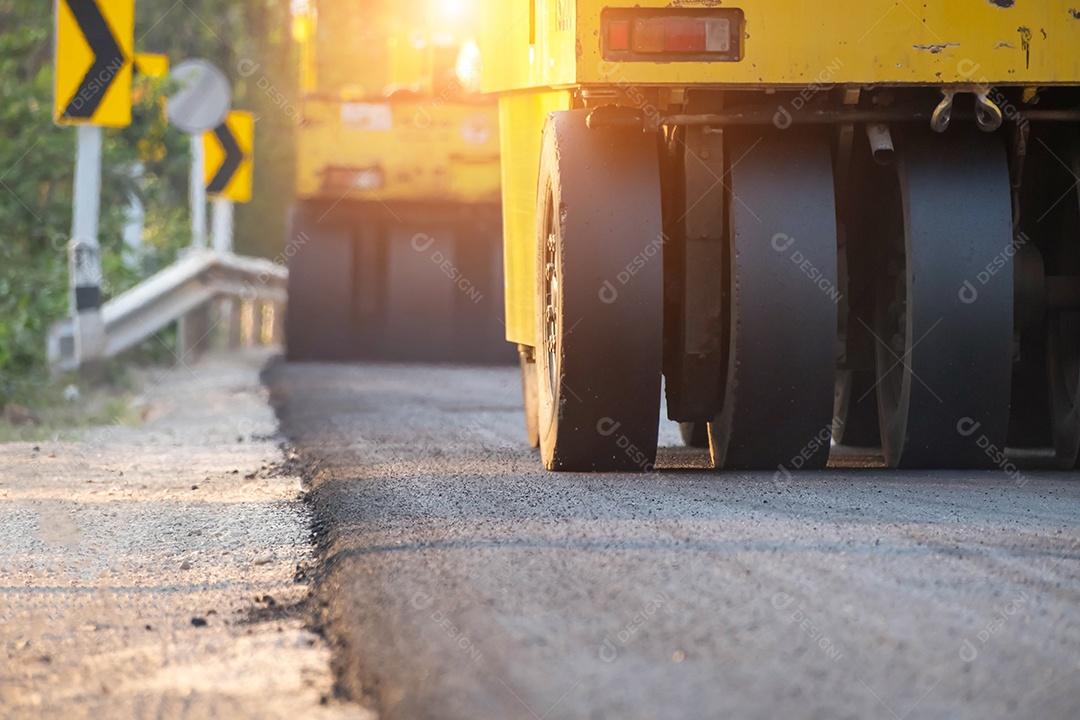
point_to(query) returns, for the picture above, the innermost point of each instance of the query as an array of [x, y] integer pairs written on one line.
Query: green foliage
[[35, 199], [37, 162]]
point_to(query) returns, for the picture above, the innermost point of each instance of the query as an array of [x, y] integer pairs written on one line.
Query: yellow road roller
[[809, 223], [394, 249]]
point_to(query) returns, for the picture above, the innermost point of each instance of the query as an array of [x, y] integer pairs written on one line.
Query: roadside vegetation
[[37, 165]]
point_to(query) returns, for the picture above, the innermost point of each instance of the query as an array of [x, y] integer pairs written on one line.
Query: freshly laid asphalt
[[460, 580]]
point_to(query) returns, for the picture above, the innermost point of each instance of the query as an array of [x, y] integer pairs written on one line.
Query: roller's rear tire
[[695, 434], [856, 422], [780, 374], [318, 317], [945, 355], [1063, 327]]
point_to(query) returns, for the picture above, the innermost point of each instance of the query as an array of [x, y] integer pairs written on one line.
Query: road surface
[[461, 581]]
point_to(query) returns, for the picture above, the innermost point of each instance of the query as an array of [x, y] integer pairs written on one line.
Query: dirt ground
[[159, 571]]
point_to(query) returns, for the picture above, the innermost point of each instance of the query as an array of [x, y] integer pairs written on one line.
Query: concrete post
[[195, 333]]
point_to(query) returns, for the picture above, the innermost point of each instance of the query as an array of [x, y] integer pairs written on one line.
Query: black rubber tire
[[1063, 354], [695, 434], [1030, 424], [530, 400], [944, 361], [1063, 328], [362, 288], [480, 333], [318, 316], [599, 339], [437, 294], [782, 322], [856, 421]]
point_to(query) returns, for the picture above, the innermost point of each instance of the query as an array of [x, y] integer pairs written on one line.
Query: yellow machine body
[[384, 117], [540, 55], [793, 43], [398, 151]]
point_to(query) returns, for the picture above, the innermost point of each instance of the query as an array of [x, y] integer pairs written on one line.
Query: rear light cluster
[[657, 35], [636, 34], [344, 179]]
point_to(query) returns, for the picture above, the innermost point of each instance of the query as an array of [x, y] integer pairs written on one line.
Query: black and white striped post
[[84, 252]]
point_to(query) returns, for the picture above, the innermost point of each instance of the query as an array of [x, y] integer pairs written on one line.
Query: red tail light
[[618, 35], [671, 34]]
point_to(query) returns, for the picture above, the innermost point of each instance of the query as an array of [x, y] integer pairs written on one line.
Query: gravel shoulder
[[151, 571], [459, 580]]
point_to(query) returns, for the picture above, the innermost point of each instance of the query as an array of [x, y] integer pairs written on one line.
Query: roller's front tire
[[599, 328]]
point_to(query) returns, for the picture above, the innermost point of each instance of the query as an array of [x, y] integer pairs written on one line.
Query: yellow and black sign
[[228, 150], [151, 65], [94, 42]]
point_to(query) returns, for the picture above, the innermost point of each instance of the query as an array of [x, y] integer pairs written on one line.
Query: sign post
[[84, 252], [197, 192], [221, 234], [92, 90], [201, 103]]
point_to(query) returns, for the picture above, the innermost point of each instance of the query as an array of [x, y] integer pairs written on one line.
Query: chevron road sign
[[94, 50], [228, 149]]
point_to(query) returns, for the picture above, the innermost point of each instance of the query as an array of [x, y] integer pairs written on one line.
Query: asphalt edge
[[345, 665]]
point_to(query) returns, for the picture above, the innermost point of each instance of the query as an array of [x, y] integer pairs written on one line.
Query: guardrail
[[184, 292]]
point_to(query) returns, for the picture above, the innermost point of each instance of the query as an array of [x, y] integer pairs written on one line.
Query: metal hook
[[939, 121], [988, 115]]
